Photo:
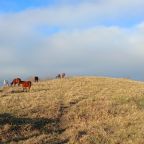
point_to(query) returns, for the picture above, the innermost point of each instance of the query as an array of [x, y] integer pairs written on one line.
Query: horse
[[58, 76], [5, 83], [63, 75], [36, 78], [15, 81], [26, 85]]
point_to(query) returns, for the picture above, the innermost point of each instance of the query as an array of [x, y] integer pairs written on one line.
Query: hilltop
[[77, 110]]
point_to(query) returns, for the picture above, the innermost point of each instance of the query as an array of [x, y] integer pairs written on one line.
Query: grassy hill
[[78, 110]]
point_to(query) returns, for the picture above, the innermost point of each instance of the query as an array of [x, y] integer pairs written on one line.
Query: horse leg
[[29, 88], [23, 89]]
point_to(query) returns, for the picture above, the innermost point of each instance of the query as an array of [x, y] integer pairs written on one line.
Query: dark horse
[[61, 75], [36, 78], [26, 85], [16, 81]]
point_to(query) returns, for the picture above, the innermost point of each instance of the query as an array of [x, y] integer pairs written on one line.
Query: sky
[[78, 37]]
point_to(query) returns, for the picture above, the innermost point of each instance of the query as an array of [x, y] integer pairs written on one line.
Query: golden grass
[[78, 110]]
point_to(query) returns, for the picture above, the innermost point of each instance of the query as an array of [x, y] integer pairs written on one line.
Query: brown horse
[[26, 85], [15, 81]]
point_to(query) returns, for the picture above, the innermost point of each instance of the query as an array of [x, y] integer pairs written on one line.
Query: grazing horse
[[26, 85], [36, 78], [16, 81]]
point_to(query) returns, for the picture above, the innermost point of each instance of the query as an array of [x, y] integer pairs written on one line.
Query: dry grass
[[79, 110]]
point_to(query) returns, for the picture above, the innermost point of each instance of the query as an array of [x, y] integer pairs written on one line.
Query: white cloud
[[73, 15], [96, 49], [6, 55], [77, 48]]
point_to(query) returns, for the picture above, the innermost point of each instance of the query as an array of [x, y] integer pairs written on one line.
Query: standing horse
[[5, 83], [63, 75], [26, 85], [36, 78], [58, 76], [16, 81]]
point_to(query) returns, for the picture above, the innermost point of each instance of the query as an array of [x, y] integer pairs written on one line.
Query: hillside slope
[[79, 110]]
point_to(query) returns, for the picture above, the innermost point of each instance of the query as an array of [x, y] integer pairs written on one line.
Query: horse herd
[[61, 75], [26, 85]]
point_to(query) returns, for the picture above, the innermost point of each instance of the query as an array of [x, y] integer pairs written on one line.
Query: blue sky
[[79, 37], [19, 5]]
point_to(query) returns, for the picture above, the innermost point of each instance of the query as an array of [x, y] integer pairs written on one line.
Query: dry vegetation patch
[[79, 110]]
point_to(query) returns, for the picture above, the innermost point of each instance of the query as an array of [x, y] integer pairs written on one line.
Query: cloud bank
[[85, 38]]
